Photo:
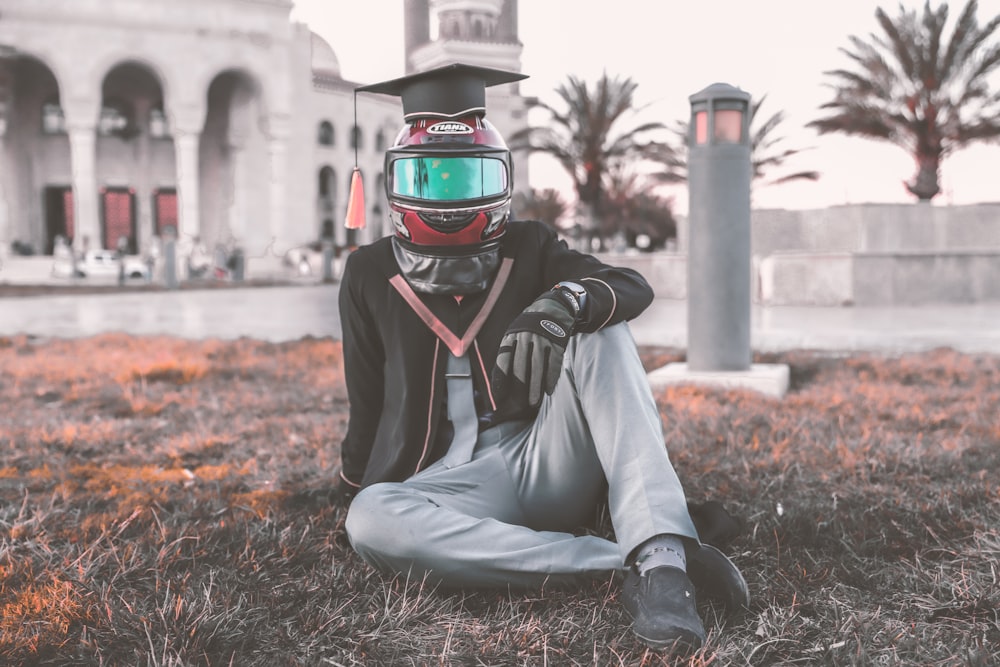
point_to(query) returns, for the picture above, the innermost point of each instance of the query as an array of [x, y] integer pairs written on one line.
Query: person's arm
[[612, 294], [585, 296], [363, 374]]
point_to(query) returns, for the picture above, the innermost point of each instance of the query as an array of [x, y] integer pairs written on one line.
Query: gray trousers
[[502, 518]]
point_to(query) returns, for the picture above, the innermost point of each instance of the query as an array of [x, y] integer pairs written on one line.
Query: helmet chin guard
[[457, 227]]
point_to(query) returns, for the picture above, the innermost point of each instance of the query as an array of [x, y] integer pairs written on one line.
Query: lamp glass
[[728, 126], [701, 127]]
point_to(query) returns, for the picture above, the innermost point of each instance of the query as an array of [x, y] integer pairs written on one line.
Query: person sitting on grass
[[496, 391]]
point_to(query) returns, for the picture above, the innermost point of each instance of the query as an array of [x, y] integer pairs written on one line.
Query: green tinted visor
[[437, 178]]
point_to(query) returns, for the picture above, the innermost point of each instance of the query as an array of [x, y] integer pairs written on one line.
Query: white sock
[[661, 550]]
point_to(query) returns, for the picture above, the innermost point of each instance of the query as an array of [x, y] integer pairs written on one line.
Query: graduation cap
[[444, 92]]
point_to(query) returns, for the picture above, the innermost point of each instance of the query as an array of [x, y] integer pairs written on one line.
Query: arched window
[[53, 119], [356, 139], [327, 182], [325, 136]]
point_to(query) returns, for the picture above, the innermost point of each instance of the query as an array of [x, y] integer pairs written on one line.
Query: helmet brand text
[[449, 127]]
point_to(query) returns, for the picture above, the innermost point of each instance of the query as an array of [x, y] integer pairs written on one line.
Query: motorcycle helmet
[[448, 174]]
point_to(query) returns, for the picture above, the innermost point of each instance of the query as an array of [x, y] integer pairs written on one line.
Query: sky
[[673, 49]]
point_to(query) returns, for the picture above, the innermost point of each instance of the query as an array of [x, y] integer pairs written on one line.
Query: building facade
[[217, 120]]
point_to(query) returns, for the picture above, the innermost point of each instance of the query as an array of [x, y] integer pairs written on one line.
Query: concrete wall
[[833, 279], [924, 277], [870, 254], [877, 228]]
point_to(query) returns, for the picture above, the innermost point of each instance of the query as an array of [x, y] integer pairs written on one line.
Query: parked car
[[104, 263]]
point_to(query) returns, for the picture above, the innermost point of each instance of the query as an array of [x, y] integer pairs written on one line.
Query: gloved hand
[[532, 350]]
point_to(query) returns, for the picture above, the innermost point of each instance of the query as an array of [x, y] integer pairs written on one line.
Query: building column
[[83, 156], [5, 102], [145, 227], [237, 213], [186, 145], [5, 239], [278, 130], [277, 150]]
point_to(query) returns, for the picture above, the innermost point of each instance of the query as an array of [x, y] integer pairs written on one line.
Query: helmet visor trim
[[440, 178]]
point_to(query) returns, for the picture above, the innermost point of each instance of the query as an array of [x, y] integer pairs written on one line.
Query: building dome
[[323, 58]]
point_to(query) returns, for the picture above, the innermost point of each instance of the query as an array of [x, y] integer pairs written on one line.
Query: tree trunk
[[925, 184]]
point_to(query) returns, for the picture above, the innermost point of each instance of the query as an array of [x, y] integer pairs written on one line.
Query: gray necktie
[[461, 411]]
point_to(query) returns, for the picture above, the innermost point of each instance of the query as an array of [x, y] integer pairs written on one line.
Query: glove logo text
[[553, 328]]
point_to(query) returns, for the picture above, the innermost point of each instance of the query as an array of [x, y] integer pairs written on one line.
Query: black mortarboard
[[444, 92]]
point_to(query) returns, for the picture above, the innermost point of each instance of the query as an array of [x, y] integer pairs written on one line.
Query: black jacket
[[394, 364]]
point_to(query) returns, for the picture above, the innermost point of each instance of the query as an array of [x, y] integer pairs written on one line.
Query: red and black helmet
[[449, 182]]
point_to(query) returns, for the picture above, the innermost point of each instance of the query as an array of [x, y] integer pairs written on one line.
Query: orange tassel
[[356, 202]]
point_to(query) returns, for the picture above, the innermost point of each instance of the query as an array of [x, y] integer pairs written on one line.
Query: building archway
[[37, 202], [134, 157], [234, 163]]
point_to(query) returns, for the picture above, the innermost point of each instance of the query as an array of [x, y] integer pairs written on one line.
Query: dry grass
[[166, 502]]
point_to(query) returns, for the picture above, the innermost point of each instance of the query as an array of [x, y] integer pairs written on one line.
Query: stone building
[[220, 120]]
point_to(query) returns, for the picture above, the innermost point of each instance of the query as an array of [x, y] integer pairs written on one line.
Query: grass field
[[167, 502]]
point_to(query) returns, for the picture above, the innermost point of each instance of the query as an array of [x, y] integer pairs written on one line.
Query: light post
[[718, 261], [719, 172]]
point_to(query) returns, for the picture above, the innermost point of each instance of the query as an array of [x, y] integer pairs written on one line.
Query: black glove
[[531, 351]]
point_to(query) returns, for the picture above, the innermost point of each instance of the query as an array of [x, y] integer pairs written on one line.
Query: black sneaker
[[662, 604]]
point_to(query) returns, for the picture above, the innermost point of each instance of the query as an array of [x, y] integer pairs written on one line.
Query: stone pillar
[[170, 261], [145, 226], [5, 239], [5, 102], [237, 209], [188, 203], [83, 154], [278, 130]]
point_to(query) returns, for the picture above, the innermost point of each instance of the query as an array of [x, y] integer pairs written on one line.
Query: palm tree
[[546, 205], [585, 138], [765, 152], [637, 212], [918, 90]]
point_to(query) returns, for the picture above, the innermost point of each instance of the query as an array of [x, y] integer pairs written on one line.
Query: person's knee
[[616, 334], [376, 522], [613, 342], [367, 516]]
